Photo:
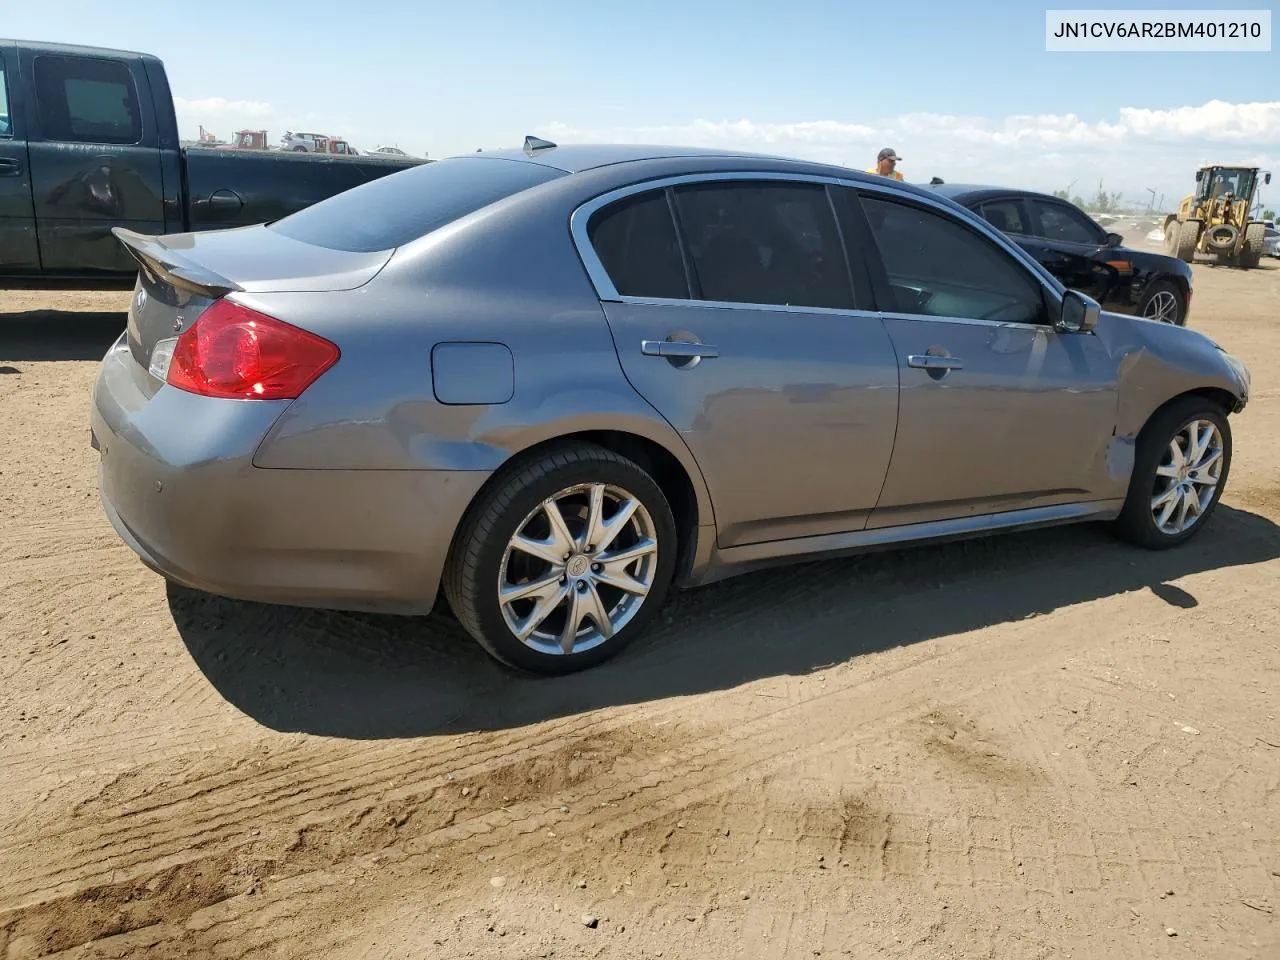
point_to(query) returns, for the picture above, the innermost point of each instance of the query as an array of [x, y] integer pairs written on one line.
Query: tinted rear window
[[397, 209]]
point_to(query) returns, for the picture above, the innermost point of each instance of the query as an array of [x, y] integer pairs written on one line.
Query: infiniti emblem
[[141, 299], [177, 325]]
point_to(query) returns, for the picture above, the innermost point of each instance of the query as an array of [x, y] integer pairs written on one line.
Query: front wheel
[[564, 562], [1164, 302], [1180, 469]]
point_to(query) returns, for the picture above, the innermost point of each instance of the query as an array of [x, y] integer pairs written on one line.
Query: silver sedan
[[549, 384]]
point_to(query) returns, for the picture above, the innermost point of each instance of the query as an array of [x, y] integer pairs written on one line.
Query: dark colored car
[[1080, 253], [89, 142]]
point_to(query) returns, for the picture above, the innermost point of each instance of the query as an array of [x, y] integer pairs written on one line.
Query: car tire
[[1158, 478], [1157, 297], [484, 560]]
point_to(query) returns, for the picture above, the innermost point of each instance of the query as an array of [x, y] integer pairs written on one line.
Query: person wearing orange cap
[[886, 162]]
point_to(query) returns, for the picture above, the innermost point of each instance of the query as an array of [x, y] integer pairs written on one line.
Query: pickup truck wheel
[[1164, 302], [1180, 469], [1188, 233], [564, 562]]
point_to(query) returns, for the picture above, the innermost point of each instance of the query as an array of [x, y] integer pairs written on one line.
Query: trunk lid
[[180, 275]]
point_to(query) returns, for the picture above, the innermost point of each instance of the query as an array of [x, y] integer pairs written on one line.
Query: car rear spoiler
[[160, 262]]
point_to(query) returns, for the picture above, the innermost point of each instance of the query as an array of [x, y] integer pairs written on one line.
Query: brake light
[[236, 353]]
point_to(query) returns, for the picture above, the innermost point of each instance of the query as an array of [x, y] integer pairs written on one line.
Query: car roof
[[966, 193], [579, 158]]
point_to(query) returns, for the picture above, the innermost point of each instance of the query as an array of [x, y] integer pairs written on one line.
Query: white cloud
[[1131, 151]]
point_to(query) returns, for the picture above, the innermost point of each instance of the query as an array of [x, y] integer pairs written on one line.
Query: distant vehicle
[[389, 152], [553, 382], [93, 144], [248, 140], [317, 143], [1215, 221], [1271, 242], [1083, 255], [338, 147], [302, 142]]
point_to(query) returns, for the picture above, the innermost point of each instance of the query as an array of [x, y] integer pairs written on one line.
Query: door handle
[[928, 361], [678, 349], [10, 167]]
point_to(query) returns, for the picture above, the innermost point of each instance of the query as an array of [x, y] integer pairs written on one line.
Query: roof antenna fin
[[533, 144]]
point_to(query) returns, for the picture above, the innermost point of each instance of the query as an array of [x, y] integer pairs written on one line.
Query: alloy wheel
[[578, 569], [1187, 477], [1162, 307]]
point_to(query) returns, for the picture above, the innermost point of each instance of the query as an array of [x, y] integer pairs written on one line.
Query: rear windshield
[[401, 207]]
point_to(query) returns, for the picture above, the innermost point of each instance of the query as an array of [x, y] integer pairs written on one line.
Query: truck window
[[394, 210], [5, 129], [84, 100]]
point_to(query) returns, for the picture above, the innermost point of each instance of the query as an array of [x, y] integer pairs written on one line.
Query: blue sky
[[956, 92]]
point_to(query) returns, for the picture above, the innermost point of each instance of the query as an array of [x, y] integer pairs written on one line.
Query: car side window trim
[[607, 292]]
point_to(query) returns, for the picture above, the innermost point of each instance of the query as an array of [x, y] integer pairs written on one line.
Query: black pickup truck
[[89, 141]]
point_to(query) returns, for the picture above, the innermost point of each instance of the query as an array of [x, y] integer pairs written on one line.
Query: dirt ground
[[1037, 746]]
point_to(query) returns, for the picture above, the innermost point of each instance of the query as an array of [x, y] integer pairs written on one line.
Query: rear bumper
[[179, 487]]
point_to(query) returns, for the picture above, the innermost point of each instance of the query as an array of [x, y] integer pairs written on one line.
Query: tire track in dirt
[[645, 810], [768, 739]]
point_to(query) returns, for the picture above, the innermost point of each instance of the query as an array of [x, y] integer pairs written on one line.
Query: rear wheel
[[1180, 469], [1164, 302], [564, 562]]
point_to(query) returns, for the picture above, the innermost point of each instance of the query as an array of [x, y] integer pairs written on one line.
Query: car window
[[1004, 215], [939, 267], [401, 207], [1067, 224], [764, 242], [636, 242], [85, 100], [6, 130]]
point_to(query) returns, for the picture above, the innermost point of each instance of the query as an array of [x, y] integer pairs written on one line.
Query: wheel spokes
[[567, 593], [1191, 476], [593, 606], [601, 532], [572, 621], [546, 604], [1161, 499], [560, 534]]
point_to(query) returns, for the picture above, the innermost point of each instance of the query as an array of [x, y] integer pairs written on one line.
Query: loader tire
[[1251, 252], [1188, 236]]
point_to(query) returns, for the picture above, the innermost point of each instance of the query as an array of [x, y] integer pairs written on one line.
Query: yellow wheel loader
[[1214, 221]]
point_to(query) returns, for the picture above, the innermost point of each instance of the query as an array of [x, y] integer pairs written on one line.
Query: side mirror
[[1079, 313], [1266, 177], [1114, 239]]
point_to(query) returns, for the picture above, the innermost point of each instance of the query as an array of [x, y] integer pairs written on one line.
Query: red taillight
[[237, 353]]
